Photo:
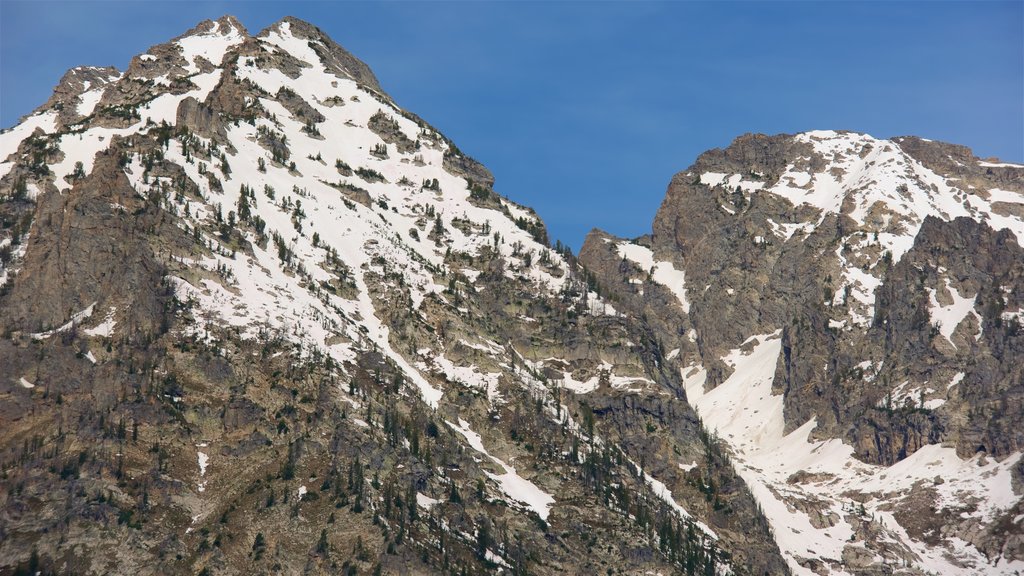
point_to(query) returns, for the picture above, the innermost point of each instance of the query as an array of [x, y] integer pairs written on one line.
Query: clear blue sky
[[585, 110]]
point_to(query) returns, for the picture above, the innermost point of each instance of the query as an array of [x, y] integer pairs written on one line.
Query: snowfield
[[744, 413]]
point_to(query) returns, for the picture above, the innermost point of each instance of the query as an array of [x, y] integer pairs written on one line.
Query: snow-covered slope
[[884, 190], [822, 501]]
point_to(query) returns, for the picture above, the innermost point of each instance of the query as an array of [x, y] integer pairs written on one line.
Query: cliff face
[[879, 278], [255, 317]]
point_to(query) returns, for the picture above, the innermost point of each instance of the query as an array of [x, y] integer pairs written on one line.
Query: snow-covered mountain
[[257, 317], [845, 313]]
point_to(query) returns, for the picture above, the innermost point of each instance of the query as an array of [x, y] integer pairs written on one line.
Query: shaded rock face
[[91, 248], [199, 118], [220, 353], [949, 260]]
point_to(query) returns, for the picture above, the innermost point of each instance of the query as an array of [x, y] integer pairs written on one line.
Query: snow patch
[[425, 501], [203, 460], [949, 317], [663, 273], [513, 485], [105, 328], [76, 319], [88, 101]]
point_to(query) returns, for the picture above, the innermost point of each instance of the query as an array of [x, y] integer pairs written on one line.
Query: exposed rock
[[335, 58], [389, 131], [199, 118], [69, 98]]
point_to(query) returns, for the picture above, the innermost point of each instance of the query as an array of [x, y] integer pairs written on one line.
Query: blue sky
[[584, 110]]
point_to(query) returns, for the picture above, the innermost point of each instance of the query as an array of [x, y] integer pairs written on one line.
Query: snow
[[604, 370], [425, 501], [514, 486], [26, 384], [257, 294], [1000, 165], [662, 491], [663, 273], [468, 375], [301, 491], [211, 45], [105, 328], [76, 318], [907, 395], [958, 378], [886, 191], [579, 386], [950, 316], [748, 417], [1000, 195], [88, 100], [283, 38], [90, 357], [203, 460], [490, 347], [82, 147], [495, 559], [10, 139], [250, 298], [713, 178]]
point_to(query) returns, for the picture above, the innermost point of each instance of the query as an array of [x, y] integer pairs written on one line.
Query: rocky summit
[[257, 318]]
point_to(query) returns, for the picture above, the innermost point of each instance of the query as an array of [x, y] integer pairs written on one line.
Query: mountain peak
[[332, 55], [226, 25], [68, 93]]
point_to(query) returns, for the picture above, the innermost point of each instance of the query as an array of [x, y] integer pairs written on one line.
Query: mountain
[[258, 318], [845, 312]]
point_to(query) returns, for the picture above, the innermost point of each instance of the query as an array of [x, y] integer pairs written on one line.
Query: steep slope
[[846, 314], [257, 318]]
